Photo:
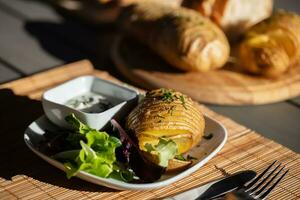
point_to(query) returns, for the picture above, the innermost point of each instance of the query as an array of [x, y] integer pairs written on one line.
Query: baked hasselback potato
[[272, 46], [233, 16], [181, 36], [168, 119]]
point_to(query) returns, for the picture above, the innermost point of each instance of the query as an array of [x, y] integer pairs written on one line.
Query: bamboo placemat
[[25, 176]]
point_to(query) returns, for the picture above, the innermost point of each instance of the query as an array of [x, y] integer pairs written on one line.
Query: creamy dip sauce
[[91, 102]]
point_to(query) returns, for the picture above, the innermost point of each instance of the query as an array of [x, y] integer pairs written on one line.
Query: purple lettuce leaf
[[130, 154]]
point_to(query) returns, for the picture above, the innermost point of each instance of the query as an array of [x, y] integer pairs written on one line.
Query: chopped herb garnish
[[208, 136], [180, 157], [182, 101], [159, 116], [167, 95], [149, 147], [191, 157], [170, 111]]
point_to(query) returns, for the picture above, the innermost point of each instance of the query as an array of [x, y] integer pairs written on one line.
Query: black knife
[[217, 188], [227, 184]]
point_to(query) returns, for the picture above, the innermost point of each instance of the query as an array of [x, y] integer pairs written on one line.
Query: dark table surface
[[35, 37]]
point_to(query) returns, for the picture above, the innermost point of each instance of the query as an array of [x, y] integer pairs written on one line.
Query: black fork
[[264, 183]]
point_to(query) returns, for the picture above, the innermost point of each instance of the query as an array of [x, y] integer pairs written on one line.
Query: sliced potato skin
[[182, 37], [178, 119], [178, 165], [272, 46]]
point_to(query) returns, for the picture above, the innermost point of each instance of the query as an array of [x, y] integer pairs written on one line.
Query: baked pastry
[[182, 37], [272, 46]]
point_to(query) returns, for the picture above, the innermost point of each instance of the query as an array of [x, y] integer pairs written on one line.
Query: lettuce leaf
[[165, 150], [97, 153], [131, 155], [77, 124]]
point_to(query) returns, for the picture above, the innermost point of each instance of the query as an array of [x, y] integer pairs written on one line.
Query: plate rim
[[121, 185]]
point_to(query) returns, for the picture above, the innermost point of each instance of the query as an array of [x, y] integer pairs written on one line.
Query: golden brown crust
[[181, 36], [270, 47], [168, 114]]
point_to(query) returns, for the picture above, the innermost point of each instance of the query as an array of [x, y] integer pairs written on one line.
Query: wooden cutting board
[[222, 87]]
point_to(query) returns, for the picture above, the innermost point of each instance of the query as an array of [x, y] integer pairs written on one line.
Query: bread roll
[[182, 37], [272, 46]]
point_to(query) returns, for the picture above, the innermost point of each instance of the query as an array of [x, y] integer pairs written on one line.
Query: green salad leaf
[[180, 157], [97, 154], [77, 124], [165, 150]]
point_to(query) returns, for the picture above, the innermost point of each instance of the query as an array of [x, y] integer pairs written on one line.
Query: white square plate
[[203, 152]]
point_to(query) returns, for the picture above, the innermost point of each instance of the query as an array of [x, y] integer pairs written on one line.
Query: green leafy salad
[[97, 154], [113, 155]]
